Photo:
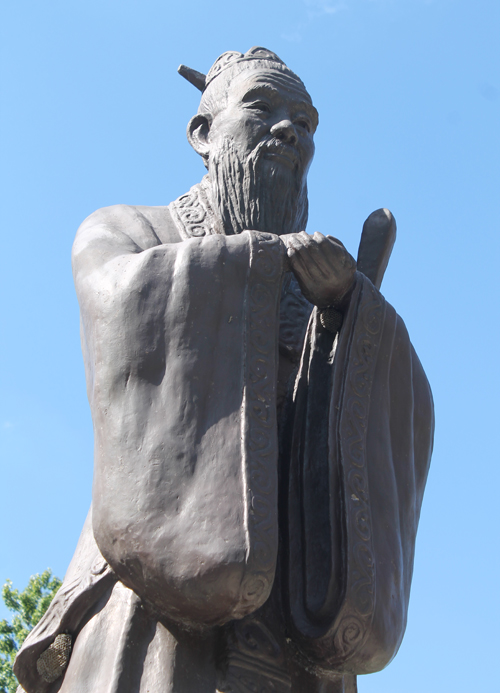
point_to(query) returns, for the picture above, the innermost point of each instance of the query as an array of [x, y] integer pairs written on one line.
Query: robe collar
[[193, 213]]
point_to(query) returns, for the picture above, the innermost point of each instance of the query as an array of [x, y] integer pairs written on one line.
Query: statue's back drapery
[[258, 476]]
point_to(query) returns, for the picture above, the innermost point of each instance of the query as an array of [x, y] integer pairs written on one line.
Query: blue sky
[[408, 91]]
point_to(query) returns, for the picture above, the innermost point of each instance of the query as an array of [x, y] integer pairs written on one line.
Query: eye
[[304, 124], [261, 106]]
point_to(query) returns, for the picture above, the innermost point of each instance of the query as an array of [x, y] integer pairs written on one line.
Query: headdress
[[255, 55]]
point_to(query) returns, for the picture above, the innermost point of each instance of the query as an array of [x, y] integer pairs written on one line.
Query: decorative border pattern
[[193, 217], [255, 660], [259, 425], [191, 213], [339, 641], [357, 613]]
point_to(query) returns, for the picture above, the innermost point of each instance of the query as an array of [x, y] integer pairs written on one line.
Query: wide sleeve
[[180, 344], [87, 579], [361, 444]]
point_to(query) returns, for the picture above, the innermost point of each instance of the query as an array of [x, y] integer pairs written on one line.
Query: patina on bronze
[[263, 428]]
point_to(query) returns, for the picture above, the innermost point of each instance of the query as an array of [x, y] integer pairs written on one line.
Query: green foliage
[[28, 606]]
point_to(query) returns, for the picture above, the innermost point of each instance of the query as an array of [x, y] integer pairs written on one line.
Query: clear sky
[[408, 91]]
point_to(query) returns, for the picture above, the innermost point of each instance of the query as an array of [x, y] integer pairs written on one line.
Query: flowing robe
[[207, 534]]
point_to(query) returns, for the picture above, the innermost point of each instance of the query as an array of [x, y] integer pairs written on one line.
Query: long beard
[[255, 194]]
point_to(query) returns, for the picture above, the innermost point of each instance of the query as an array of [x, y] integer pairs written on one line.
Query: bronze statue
[[263, 428]]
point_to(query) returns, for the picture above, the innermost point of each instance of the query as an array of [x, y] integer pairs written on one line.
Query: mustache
[[273, 145]]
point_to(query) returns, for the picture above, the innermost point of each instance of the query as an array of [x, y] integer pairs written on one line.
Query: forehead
[[277, 86]]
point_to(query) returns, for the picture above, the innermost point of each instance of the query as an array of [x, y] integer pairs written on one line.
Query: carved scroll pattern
[[191, 213], [255, 660], [259, 434], [357, 614]]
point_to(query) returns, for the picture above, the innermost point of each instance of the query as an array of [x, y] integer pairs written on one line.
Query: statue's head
[[254, 130]]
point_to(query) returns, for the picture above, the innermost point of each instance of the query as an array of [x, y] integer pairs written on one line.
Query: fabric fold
[[163, 327], [183, 532], [347, 603]]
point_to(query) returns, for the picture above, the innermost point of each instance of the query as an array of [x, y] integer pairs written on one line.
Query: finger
[[297, 243], [286, 238], [320, 255], [306, 242], [325, 253], [305, 237], [310, 253], [335, 240], [298, 264], [327, 242], [325, 257], [299, 256], [318, 237], [313, 242], [335, 249]]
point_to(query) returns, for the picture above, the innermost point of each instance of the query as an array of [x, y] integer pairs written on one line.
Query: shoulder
[[125, 218], [115, 214], [144, 226], [162, 222], [151, 225]]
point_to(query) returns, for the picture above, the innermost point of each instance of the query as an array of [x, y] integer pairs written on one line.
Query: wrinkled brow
[[273, 93]]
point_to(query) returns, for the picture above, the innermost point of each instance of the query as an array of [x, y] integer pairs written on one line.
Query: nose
[[285, 131]]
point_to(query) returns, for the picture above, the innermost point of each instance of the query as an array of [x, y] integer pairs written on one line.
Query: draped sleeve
[[180, 344], [356, 466]]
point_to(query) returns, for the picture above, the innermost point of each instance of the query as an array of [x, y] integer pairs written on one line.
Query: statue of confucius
[[263, 428]]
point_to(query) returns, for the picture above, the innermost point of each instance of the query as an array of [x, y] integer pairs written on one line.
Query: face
[[271, 110], [258, 148]]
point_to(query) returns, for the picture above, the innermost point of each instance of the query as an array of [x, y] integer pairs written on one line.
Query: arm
[[162, 327]]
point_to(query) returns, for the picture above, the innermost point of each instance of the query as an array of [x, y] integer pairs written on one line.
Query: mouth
[[284, 154]]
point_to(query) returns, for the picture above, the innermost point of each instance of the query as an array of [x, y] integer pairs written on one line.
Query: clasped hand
[[323, 267]]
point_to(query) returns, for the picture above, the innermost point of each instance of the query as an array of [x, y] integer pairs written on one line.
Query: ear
[[197, 134]]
